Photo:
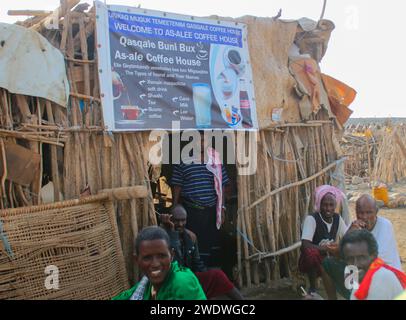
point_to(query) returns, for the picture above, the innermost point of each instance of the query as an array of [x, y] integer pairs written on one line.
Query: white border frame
[[103, 55]]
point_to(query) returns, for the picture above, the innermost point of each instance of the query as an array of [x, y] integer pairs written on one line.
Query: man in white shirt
[[368, 276], [381, 228], [377, 280]]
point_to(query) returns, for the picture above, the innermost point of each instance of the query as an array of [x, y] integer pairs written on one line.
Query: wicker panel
[[80, 237]]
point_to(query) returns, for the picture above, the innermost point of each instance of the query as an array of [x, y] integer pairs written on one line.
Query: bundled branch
[[391, 158], [361, 144], [375, 151]]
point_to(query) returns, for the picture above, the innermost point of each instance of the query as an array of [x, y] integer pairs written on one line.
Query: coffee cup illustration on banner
[[133, 113], [202, 104], [202, 53]]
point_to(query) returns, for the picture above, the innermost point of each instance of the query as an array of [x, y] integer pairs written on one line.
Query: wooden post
[[126, 193], [369, 159], [3, 197], [54, 156]]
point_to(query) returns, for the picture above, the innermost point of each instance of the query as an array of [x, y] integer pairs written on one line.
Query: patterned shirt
[[197, 183]]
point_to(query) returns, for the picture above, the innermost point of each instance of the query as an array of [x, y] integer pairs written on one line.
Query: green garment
[[180, 284], [335, 268]]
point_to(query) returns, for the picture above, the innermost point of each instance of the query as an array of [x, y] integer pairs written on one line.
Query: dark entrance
[[226, 257]]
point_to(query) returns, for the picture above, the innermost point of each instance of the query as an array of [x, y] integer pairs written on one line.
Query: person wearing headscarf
[[321, 232]]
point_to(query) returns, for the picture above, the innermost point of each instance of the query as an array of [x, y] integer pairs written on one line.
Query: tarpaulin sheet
[[30, 65], [340, 96]]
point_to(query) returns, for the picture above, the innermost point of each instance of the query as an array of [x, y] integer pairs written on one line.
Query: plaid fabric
[[310, 260]]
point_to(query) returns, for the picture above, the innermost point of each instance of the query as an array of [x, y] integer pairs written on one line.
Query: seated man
[[371, 277], [163, 279], [184, 242], [381, 228], [321, 232], [377, 280]]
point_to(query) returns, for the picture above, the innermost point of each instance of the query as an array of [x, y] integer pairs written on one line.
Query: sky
[[366, 49]]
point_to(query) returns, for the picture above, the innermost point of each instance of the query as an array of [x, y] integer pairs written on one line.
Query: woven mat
[[76, 240]]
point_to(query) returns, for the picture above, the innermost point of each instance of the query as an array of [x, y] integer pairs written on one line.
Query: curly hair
[[149, 234], [357, 236]]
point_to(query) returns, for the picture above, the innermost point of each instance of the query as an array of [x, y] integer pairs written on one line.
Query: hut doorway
[[226, 257]]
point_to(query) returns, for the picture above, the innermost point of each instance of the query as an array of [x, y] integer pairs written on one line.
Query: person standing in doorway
[[199, 186]]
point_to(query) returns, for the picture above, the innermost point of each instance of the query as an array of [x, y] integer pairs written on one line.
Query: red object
[[310, 260], [214, 283], [377, 264], [340, 97], [131, 114]]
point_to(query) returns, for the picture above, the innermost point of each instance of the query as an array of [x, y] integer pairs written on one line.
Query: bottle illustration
[[245, 107]]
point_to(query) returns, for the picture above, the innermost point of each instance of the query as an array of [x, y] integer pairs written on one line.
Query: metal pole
[[323, 10]]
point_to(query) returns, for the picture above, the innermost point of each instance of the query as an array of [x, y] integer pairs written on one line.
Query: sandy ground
[[398, 218], [282, 290]]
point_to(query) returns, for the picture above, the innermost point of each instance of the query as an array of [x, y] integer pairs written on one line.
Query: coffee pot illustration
[[118, 85], [125, 109]]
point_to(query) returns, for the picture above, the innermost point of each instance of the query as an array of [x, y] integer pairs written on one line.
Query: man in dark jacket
[[184, 242]]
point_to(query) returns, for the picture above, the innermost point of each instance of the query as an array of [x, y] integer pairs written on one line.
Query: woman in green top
[[163, 279]]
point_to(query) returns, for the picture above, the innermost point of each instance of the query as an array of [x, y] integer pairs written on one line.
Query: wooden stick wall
[[273, 203], [361, 153], [391, 159], [94, 158], [83, 155], [376, 151], [25, 121]]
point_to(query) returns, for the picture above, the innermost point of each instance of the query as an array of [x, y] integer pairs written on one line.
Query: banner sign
[[158, 69]]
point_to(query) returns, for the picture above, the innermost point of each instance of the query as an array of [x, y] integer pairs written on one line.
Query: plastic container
[[381, 193]]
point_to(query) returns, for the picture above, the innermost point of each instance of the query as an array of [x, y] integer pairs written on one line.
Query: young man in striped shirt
[[193, 186]]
